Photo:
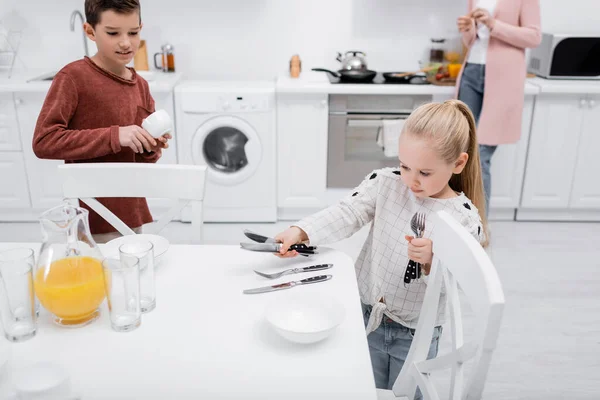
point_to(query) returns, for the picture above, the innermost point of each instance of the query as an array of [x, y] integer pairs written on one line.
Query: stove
[[380, 80]]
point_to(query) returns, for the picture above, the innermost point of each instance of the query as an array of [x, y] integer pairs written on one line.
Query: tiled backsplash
[[254, 39]]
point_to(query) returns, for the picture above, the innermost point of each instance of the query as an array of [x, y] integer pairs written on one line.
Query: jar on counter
[[436, 54]]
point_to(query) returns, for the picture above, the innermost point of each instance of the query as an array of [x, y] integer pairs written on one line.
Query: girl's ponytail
[[470, 180]]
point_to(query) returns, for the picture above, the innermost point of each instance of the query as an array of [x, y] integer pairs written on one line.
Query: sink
[[147, 75], [45, 77]]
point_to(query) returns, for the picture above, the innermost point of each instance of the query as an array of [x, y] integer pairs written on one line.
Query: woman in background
[[492, 80]]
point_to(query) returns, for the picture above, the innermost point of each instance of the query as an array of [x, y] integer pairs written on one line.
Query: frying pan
[[405, 76], [351, 75], [399, 77]]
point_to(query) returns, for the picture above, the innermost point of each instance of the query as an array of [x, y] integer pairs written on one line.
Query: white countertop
[[160, 81], [317, 82], [566, 86]]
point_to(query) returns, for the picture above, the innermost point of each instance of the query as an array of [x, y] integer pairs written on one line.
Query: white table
[[207, 340]]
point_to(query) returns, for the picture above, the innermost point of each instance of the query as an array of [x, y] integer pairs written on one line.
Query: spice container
[[295, 66]]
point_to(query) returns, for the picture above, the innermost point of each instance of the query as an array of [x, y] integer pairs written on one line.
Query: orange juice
[[71, 288]]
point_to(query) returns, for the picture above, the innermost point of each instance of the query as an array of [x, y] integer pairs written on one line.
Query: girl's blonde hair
[[451, 128]]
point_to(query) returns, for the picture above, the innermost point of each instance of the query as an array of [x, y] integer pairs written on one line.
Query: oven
[[355, 128]]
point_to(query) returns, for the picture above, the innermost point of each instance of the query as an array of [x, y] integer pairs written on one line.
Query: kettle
[[353, 60]]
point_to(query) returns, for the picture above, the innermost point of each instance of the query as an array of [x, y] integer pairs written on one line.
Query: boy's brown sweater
[[80, 121]]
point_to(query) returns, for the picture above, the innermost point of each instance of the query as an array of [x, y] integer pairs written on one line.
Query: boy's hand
[[136, 138], [162, 142], [290, 236], [420, 250]]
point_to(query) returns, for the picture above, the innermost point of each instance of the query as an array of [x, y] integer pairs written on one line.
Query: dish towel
[[390, 133]]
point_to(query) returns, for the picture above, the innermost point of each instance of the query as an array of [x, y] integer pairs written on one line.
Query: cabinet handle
[[582, 103], [322, 103], [18, 102], [592, 103]]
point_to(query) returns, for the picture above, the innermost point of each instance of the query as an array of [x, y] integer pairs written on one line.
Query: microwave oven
[[566, 56]]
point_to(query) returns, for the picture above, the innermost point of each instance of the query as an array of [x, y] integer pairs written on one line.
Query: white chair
[[182, 183], [460, 262]]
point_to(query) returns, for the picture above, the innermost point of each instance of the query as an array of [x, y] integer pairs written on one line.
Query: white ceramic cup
[[158, 123]]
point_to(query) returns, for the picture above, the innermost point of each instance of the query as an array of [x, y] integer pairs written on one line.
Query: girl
[[439, 170]]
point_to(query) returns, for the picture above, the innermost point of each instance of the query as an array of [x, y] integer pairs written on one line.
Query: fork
[[295, 271], [413, 269]]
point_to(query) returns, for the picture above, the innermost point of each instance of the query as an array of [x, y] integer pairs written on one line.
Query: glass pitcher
[[69, 280]]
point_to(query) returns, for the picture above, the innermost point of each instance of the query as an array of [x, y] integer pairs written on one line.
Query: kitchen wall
[[254, 39]]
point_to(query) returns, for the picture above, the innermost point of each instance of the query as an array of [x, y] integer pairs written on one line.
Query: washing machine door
[[229, 146]]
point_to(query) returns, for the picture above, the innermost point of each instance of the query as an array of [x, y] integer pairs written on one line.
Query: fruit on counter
[[439, 76], [452, 57], [433, 68], [454, 70]]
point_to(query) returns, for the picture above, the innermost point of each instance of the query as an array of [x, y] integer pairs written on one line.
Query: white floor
[[549, 347]]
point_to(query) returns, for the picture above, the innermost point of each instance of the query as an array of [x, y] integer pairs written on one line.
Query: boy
[[95, 106]]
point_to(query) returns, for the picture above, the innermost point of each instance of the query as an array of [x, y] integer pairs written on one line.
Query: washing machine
[[230, 128]]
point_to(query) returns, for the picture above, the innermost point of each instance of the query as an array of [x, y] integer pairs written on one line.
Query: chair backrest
[[182, 183], [463, 266]]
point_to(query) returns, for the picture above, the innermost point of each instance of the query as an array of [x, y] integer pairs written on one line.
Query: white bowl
[[306, 318], [42, 381]]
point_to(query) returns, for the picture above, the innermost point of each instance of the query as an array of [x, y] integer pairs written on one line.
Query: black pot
[[351, 75]]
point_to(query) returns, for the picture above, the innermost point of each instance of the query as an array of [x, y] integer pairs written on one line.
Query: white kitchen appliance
[[230, 128], [566, 56]]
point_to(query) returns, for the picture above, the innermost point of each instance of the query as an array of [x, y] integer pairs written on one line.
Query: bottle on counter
[[295, 66]]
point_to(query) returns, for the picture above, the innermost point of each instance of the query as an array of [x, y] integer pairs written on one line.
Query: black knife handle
[[411, 272], [316, 267], [301, 247], [315, 279]]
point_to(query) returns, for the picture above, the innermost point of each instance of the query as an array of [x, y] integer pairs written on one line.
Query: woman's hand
[[290, 236], [464, 23], [420, 250], [483, 16]]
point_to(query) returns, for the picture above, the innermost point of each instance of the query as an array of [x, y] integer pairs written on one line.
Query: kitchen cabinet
[[14, 193], [9, 128], [553, 151], [302, 152], [585, 193], [44, 185], [508, 169], [561, 181]]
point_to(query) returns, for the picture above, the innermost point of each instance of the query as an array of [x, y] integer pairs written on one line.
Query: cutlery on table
[[288, 285], [318, 267]]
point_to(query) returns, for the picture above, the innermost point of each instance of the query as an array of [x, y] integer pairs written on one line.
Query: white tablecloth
[[207, 340]]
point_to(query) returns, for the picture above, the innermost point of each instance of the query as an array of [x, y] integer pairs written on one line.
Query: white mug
[[158, 123]]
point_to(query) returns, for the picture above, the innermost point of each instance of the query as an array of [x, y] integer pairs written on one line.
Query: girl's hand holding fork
[[420, 250]]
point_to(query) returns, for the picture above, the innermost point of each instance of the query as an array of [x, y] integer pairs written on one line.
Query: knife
[[276, 247], [287, 285], [258, 238]]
